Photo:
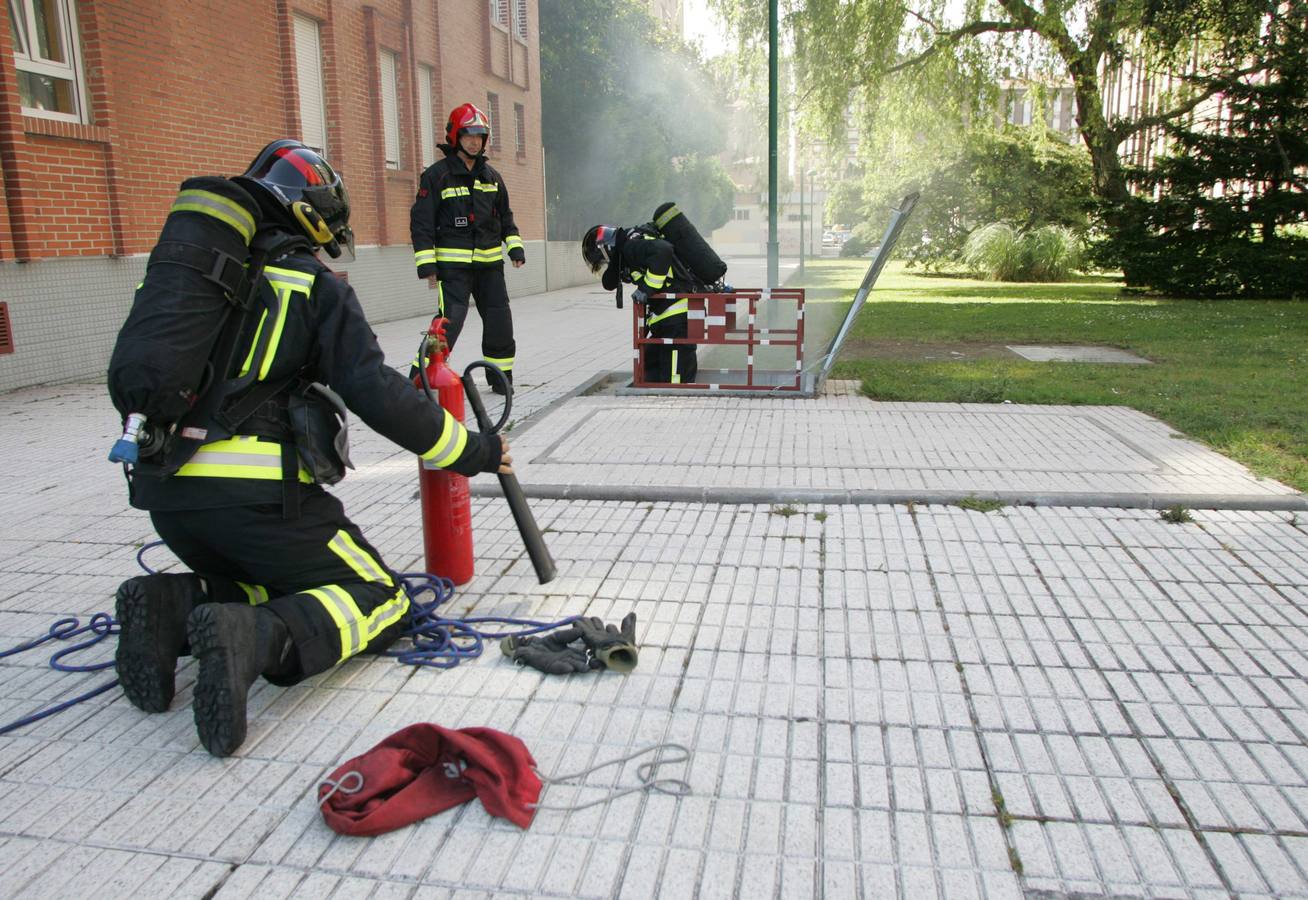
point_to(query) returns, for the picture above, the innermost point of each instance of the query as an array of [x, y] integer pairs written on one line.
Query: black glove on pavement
[[613, 646], [553, 654]]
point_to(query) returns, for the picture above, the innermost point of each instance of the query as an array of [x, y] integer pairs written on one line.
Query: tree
[[628, 119], [1026, 178], [860, 45], [1223, 214]]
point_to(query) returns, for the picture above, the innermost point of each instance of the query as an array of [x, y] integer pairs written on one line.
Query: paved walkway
[[880, 698]]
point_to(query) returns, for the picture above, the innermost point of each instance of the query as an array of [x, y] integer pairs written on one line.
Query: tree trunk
[[1100, 140]]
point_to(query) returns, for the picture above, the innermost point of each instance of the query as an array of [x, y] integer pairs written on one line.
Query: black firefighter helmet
[[308, 189], [597, 246]]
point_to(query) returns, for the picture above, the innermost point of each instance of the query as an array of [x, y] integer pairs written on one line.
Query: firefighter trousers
[[674, 363], [485, 284], [317, 573]]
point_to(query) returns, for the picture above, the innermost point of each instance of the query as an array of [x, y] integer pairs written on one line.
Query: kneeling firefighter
[[667, 255], [284, 585]]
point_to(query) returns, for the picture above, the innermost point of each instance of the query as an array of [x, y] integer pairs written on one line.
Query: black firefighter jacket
[[319, 330], [461, 217]]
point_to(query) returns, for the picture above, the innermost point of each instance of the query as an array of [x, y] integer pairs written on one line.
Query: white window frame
[[308, 121], [493, 116], [520, 20], [71, 70], [499, 13], [426, 121], [388, 63]]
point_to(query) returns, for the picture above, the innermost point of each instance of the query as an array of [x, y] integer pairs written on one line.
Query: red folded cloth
[[425, 769]]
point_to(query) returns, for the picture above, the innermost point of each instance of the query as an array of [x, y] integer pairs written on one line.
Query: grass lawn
[[1233, 374]]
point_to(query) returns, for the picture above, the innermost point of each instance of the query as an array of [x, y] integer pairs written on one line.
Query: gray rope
[[676, 787], [340, 786]]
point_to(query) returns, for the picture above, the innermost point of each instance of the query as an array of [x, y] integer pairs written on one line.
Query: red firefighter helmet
[[466, 119]]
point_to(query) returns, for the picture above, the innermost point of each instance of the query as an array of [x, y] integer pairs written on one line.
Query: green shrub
[[999, 253], [994, 251]]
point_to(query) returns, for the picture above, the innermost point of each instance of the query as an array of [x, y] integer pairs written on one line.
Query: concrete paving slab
[[881, 700], [1073, 353]]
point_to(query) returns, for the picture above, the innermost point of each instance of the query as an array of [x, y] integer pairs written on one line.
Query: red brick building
[[107, 105]]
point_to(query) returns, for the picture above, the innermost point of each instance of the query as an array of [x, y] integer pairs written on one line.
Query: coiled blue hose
[[440, 642]]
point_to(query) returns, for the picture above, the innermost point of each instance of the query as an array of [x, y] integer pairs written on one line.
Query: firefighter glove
[[559, 653], [613, 646], [640, 295]]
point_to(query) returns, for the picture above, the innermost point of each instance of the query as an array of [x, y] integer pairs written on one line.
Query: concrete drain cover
[[1072, 353]]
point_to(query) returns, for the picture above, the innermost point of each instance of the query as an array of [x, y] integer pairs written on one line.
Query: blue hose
[[440, 642], [102, 625]]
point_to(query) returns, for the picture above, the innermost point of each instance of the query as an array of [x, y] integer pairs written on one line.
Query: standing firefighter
[[461, 224], [665, 255], [285, 586]]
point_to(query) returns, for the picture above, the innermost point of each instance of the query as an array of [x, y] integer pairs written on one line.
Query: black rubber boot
[[151, 612], [498, 388], [234, 645]]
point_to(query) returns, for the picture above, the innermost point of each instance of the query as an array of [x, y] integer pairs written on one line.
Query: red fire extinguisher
[[446, 500]]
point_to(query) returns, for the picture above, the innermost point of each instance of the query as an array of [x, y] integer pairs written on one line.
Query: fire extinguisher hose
[[522, 517]]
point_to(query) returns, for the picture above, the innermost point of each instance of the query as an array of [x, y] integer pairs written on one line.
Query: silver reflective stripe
[[358, 560], [219, 458], [398, 605], [346, 607]]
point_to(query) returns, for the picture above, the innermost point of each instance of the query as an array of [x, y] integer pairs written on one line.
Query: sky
[[705, 27]]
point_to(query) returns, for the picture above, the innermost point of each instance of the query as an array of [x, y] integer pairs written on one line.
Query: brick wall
[[193, 87], [198, 86]]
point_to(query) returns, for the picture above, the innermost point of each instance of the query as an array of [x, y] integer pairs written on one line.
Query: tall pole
[[801, 222], [774, 248]]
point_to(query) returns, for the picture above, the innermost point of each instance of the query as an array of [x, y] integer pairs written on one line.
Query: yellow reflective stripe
[[440, 297], [454, 437], [291, 279], [453, 254], [655, 280], [254, 343], [283, 304], [255, 593], [218, 206], [237, 457], [676, 309], [513, 241], [449, 192], [243, 456], [488, 254], [676, 376], [668, 215], [343, 611], [424, 258], [358, 559], [490, 187], [387, 614], [285, 282], [504, 362]]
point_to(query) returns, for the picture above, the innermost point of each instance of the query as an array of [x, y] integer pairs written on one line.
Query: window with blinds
[[493, 113], [308, 76], [390, 108], [520, 19], [520, 129], [499, 13], [426, 121]]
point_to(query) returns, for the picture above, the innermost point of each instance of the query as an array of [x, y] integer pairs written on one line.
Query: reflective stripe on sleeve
[[424, 257], [454, 437], [513, 242]]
